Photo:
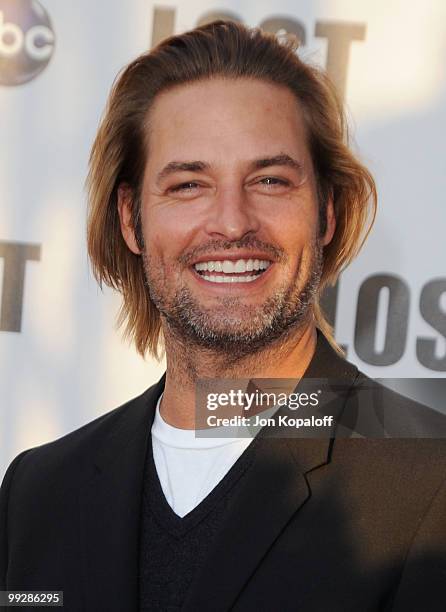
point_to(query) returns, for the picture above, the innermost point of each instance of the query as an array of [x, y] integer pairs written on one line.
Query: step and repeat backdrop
[[62, 362]]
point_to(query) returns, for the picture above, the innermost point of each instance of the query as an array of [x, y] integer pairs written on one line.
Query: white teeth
[[233, 267], [230, 279], [228, 267]]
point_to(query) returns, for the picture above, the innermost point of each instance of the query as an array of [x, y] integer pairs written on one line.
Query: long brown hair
[[220, 48]]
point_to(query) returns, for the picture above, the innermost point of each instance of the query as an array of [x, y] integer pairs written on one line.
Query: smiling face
[[229, 214]]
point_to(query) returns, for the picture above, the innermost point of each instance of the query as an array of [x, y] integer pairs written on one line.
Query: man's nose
[[231, 214]]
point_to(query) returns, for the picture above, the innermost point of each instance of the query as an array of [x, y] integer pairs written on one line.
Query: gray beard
[[280, 315]]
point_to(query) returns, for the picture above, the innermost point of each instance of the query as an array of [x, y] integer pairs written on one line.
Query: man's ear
[[125, 207], [331, 222]]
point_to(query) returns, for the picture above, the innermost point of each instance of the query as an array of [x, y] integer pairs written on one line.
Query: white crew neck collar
[[188, 438]]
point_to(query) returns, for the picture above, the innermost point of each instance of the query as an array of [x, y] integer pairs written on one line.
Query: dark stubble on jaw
[[282, 314]]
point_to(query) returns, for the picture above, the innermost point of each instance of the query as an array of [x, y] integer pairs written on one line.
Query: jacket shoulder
[[379, 411], [75, 448]]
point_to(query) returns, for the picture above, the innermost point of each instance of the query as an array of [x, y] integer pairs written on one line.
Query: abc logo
[[26, 40]]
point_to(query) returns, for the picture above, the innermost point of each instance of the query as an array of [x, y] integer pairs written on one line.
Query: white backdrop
[[61, 361]]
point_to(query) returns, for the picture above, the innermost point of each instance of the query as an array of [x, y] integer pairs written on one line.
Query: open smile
[[232, 271]]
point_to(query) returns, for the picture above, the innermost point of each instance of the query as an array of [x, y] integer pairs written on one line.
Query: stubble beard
[[232, 329]]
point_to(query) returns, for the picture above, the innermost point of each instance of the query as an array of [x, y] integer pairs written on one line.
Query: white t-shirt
[[189, 467]]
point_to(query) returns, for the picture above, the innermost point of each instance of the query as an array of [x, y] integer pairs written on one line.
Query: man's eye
[[272, 181], [190, 186]]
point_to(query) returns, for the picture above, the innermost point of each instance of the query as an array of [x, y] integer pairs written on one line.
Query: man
[[223, 199]]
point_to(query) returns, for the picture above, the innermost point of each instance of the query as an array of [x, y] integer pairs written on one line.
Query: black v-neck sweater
[[173, 548]]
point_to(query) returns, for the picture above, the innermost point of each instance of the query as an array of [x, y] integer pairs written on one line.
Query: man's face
[[229, 214]]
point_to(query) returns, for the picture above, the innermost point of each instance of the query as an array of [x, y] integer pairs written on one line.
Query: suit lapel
[[274, 489], [110, 509], [276, 486]]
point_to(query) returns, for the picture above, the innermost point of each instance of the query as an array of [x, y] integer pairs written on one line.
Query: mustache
[[210, 247]]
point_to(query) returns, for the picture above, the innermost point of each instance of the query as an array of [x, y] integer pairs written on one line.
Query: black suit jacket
[[329, 524]]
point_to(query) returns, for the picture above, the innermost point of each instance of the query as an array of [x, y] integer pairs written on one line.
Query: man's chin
[[230, 343], [235, 338]]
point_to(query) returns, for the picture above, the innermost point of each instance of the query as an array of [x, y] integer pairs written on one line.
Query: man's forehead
[[225, 122], [221, 100]]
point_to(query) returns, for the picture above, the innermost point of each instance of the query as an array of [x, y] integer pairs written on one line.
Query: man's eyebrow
[[199, 166], [278, 160], [186, 166]]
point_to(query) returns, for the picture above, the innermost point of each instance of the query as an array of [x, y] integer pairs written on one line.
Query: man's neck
[[185, 365]]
